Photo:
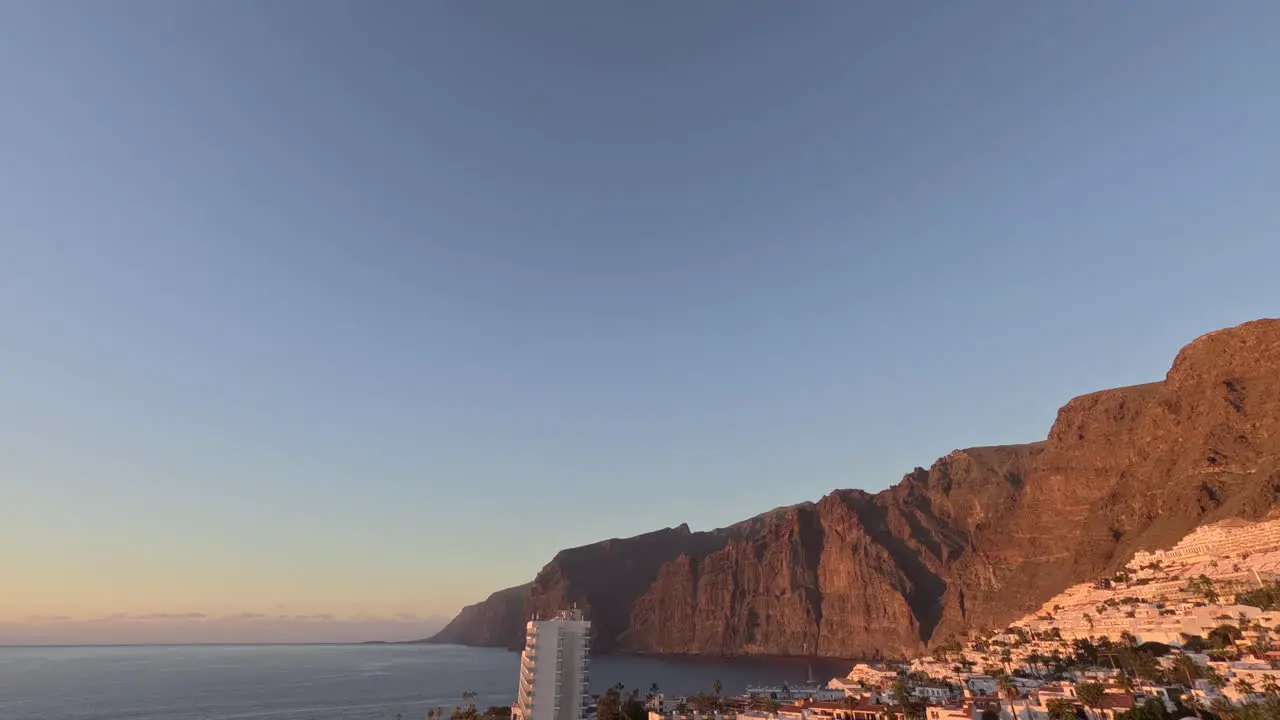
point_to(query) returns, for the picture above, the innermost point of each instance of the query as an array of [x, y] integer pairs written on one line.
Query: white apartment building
[[554, 669], [931, 692]]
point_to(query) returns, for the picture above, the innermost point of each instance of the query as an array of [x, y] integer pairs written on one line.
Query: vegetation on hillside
[[1266, 597]]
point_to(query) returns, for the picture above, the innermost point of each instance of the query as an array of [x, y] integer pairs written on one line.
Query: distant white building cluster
[[1210, 542], [1156, 599]]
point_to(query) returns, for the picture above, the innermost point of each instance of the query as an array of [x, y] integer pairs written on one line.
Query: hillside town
[[1188, 632]]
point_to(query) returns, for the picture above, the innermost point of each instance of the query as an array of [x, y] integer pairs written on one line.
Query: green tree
[[1190, 702], [1261, 646], [1194, 643], [1090, 695], [1224, 636], [1216, 681], [717, 686], [1085, 651], [902, 697], [900, 693], [1187, 668], [1244, 687], [1225, 710], [633, 708], [1124, 682], [468, 712], [1152, 709], [609, 705], [1061, 709], [1205, 587]]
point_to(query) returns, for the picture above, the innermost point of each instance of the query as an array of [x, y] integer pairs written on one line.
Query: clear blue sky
[[366, 309]]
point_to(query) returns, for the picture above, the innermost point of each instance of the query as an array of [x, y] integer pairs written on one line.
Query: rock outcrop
[[980, 538], [496, 622]]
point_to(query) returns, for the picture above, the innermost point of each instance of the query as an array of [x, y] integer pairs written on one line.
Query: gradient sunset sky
[[319, 320]]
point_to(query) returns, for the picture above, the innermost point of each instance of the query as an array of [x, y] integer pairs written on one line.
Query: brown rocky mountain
[[980, 538], [496, 622]]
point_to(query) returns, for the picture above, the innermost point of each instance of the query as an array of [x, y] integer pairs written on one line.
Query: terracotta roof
[[1112, 701]]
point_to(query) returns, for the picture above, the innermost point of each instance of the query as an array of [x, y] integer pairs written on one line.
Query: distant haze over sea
[[198, 628], [334, 682]]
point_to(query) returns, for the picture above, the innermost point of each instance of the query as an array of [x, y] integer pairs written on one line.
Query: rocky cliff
[[496, 622], [980, 538]]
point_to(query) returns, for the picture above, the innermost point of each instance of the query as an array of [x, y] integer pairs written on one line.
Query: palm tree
[[1124, 682], [1261, 646], [1184, 665], [1216, 681], [1189, 700], [1223, 708], [717, 686], [1061, 709], [469, 696], [1009, 691], [901, 693], [1244, 687]]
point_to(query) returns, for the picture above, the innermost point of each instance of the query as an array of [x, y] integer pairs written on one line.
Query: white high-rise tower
[[553, 669]]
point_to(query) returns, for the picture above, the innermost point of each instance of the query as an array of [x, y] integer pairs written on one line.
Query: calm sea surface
[[320, 682]]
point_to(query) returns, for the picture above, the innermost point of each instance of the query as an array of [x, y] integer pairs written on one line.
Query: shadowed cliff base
[[980, 538]]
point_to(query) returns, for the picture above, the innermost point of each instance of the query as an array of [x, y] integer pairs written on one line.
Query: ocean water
[[318, 682]]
